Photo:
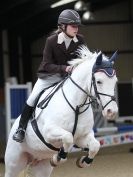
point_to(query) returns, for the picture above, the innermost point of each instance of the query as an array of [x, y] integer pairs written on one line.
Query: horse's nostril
[[109, 111]]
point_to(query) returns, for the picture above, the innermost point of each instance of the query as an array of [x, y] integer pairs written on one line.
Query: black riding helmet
[[69, 17]]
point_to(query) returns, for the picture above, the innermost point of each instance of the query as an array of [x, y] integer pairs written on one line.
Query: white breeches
[[40, 85]]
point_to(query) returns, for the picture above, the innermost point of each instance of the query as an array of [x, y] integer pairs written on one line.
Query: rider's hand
[[69, 69]]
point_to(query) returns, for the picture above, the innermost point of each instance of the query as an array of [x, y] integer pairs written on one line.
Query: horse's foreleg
[[93, 145], [15, 162], [62, 137]]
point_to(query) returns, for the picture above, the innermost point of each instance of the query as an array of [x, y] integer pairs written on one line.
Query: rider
[[59, 49]]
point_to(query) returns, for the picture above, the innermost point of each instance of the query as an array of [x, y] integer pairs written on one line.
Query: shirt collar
[[61, 38]]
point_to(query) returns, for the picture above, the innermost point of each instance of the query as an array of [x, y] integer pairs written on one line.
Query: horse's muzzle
[[110, 113]]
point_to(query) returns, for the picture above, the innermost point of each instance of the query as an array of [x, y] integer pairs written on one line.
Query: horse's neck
[[73, 93]]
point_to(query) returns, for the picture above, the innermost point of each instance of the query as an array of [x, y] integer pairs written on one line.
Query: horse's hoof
[[81, 163], [54, 161], [78, 163]]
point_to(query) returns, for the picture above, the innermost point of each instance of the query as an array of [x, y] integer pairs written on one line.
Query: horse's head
[[104, 81]]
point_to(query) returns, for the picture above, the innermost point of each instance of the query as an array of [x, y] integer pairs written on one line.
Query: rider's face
[[72, 30]]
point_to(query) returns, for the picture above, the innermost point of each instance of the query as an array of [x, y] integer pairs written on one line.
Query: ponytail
[[56, 31]]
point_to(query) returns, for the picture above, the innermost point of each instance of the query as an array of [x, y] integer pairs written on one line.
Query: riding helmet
[[69, 17]]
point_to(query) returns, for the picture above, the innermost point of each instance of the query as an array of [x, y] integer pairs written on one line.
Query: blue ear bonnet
[[106, 66]]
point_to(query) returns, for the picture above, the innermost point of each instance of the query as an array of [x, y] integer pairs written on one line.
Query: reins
[[77, 109], [44, 103]]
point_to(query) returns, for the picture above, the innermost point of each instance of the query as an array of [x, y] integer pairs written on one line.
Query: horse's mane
[[83, 54]]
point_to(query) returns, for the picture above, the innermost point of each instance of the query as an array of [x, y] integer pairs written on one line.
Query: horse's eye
[[99, 82]]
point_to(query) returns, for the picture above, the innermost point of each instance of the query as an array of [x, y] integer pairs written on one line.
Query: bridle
[[113, 98], [92, 98]]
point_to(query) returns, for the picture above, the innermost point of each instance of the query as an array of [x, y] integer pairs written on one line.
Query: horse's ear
[[99, 59], [114, 57]]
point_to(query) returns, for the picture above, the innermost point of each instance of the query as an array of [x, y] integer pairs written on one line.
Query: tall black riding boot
[[25, 116]]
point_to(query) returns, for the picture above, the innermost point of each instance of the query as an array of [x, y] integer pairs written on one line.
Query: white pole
[[8, 110], [10, 120]]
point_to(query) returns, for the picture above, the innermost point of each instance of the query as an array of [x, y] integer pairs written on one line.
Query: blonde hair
[[56, 31]]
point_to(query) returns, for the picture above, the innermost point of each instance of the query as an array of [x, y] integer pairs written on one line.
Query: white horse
[[67, 118]]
